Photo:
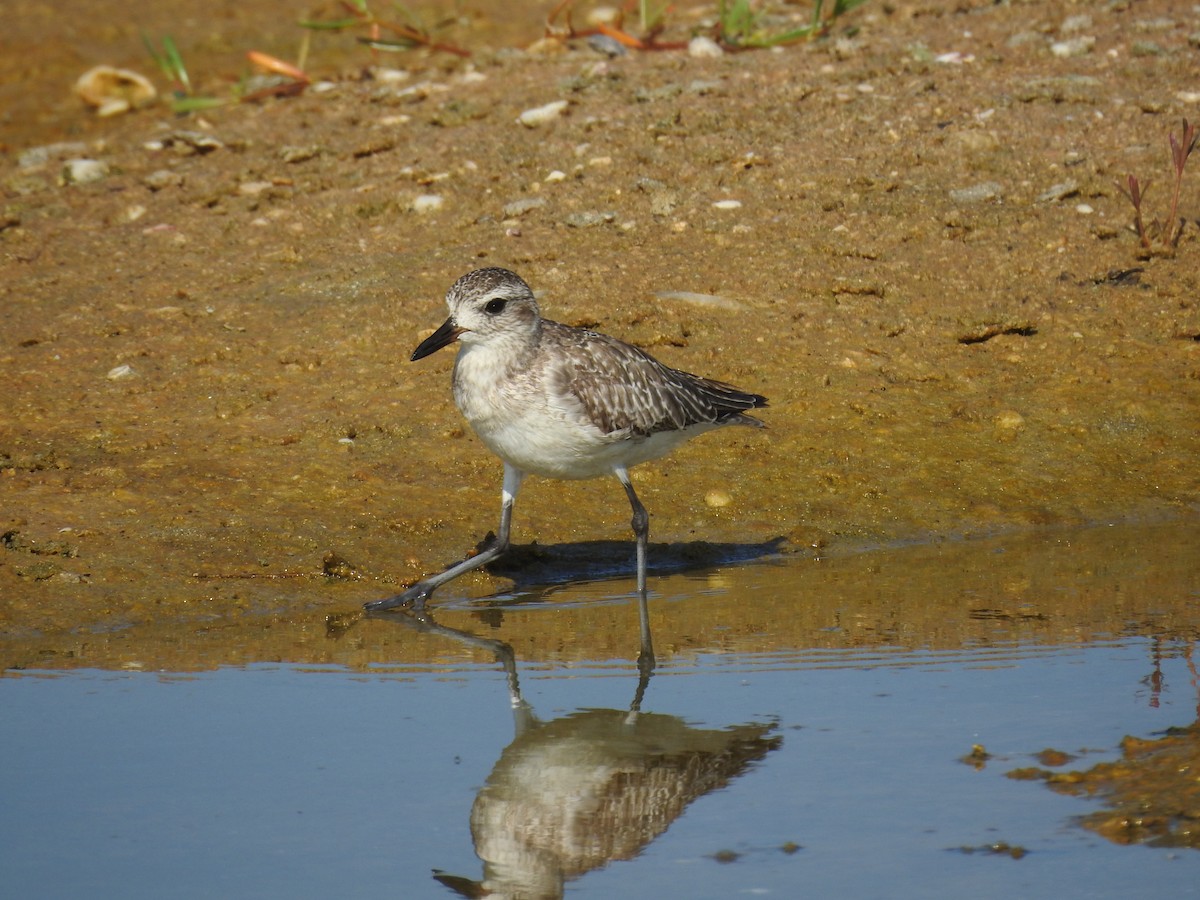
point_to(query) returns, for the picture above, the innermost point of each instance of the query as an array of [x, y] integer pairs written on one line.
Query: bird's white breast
[[515, 412]]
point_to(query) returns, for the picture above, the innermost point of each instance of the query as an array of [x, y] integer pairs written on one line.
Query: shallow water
[[833, 766], [287, 781]]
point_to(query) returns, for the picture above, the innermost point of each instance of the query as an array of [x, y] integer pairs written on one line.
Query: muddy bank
[[925, 265], [1040, 589]]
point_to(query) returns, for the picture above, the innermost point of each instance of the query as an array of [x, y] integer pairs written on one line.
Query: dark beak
[[447, 334]]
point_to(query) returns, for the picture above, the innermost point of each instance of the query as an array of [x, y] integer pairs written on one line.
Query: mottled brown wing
[[622, 389]]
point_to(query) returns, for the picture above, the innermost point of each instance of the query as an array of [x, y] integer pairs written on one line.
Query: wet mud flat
[[908, 238]]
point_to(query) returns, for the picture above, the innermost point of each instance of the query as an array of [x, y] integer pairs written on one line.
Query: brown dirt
[[1147, 796], [939, 364]]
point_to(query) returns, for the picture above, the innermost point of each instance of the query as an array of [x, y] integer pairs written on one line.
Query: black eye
[[494, 307]]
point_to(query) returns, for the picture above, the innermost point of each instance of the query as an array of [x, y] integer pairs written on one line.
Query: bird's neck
[[499, 359]]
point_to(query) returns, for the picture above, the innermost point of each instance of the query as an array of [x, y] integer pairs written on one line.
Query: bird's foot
[[414, 598], [646, 663]]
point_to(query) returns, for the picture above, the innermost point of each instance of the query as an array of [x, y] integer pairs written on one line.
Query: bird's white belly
[[517, 421], [542, 444], [553, 448]]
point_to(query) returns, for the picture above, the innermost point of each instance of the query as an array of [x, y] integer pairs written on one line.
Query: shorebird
[[562, 402]]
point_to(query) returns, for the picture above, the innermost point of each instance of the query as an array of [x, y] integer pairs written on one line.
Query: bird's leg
[[416, 595], [645, 660], [641, 530], [640, 524]]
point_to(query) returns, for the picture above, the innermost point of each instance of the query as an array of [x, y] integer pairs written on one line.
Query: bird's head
[[485, 305]]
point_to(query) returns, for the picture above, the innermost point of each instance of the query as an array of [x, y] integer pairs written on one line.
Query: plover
[[563, 402]]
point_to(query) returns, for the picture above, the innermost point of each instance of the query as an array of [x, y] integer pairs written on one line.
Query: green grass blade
[[183, 105], [176, 63], [334, 25]]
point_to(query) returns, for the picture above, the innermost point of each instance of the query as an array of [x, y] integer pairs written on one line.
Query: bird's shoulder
[[587, 350], [623, 390]]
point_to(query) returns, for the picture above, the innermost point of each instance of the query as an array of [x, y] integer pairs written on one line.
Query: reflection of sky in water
[[321, 782]]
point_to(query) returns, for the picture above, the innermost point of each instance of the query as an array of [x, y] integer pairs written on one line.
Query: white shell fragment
[[1076, 46], [83, 171], [113, 91], [540, 115], [696, 299], [702, 47], [427, 203]]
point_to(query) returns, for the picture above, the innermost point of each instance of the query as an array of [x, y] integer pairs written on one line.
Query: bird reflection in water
[[570, 795]]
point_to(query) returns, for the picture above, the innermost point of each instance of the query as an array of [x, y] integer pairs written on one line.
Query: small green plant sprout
[[170, 63], [1135, 190], [1180, 151], [650, 16], [401, 36], [743, 24]]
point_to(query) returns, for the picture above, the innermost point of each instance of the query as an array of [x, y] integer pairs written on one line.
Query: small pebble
[[603, 15], [589, 218], [292, 154], [520, 207], [187, 142], [702, 47], [550, 45], [540, 115], [609, 46], [717, 498], [1076, 46], [39, 156], [1160, 24], [386, 75], [83, 171], [119, 372], [978, 193], [1059, 191], [162, 178], [699, 299], [1008, 424], [426, 203], [727, 204]]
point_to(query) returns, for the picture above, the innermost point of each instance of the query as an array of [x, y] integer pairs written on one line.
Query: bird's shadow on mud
[[539, 570]]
